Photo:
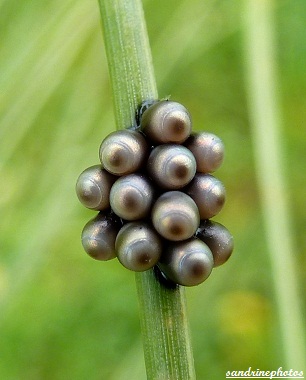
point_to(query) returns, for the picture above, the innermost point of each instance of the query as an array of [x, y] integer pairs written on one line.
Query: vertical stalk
[[266, 121], [129, 57], [166, 340]]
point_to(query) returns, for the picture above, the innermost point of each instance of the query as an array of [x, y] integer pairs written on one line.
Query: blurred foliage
[[65, 316]]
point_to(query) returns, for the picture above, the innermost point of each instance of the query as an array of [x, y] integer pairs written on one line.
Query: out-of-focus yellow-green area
[[66, 316]]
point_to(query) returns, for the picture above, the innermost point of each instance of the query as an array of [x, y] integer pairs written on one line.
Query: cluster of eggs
[[155, 195]]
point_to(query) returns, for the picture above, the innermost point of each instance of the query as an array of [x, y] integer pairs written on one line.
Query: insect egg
[[208, 193], [208, 151], [166, 122], [187, 263], [99, 236], [131, 197], [175, 216], [138, 246], [171, 166], [93, 187], [123, 152], [219, 240]]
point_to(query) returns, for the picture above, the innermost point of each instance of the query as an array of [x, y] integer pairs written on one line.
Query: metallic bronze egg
[[166, 122], [175, 216], [219, 240], [131, 197], [123, 152], [208, 150], [208, 193], [171, 166], [138, 246], [187, 263], [93, 187], [99, 236]]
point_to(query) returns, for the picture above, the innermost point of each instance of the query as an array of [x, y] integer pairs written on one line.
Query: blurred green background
[[66, 316]]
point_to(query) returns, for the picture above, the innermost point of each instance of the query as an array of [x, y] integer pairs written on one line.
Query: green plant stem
[[266, 121], [167, 348], [166, 341], [129, 57]]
